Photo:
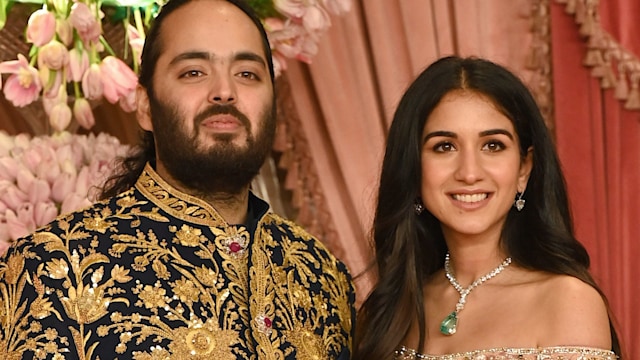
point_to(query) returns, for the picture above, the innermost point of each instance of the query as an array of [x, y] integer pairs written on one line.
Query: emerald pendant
[[448, 325]]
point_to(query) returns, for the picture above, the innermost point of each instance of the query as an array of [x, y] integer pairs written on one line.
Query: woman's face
[[471, 165]]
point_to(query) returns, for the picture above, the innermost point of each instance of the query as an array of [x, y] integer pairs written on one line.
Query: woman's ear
[[525, 170], [143, 111]]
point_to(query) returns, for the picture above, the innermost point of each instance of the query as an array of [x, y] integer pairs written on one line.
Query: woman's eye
[[444, 147], [494, 146]]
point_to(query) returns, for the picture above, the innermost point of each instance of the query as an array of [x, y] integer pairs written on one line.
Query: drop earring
[[418, 208], [519, 203]]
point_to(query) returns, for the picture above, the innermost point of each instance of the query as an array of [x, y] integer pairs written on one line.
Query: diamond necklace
[[449, 324]]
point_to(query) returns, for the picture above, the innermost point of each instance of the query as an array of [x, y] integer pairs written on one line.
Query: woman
[[473, 236]]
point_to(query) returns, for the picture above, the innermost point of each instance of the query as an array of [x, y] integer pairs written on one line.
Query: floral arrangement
[[70, 66], [44, 176], [71, 62]]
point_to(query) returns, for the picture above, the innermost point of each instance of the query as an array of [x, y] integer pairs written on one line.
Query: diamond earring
[[519, 203], [418, 208]]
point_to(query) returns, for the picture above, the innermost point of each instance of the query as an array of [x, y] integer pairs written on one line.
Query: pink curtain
[[599, 145]]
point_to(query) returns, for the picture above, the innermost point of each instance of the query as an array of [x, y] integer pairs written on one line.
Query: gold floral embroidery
[[156, 274]]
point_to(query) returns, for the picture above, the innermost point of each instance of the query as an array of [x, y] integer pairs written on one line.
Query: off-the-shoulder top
[[546, 353]]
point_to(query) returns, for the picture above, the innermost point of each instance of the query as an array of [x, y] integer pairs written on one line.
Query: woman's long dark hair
[[129, 168], [410, 248]]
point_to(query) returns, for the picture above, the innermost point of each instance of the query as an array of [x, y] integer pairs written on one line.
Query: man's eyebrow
[[190, 55], [250, 56], [203, 55]]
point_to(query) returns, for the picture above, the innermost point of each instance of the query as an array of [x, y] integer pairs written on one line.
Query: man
[[184, 262]]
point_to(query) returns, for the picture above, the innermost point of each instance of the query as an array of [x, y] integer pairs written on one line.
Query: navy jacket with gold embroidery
[[157, 274]]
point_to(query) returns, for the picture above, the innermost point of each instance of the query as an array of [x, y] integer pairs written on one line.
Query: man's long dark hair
[[410, 248], [129, 168]]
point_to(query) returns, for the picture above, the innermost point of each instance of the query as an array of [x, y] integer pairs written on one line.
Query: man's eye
[[248, 75], [191, 74]]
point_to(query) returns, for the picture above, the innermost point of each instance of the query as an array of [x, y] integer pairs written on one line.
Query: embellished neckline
[[407, 353], [182, 205]]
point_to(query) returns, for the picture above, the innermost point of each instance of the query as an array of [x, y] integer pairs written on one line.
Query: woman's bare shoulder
[[575, 313]]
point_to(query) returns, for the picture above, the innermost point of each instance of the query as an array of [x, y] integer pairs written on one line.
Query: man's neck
[[231, 207]]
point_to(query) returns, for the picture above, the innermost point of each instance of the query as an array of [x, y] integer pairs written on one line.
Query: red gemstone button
[[267, 322], [235, 247]]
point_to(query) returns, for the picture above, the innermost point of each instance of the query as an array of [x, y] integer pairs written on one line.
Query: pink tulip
[[39, 191], [60, 116], [279, 63], [48, 172], [3, 208], [92, 83], [23, 87], [136, 42], [41, 27], [5, 244], [85, 22], [44, 213], [8, 168], [337, 7], [64, 28], [74, 202], [83, 182], [78, 64], [53, 55], [128, 101], [291, 8], [117, 78], [16, 227], [13, 197], [5, 239], [83, 113], [31, 158], [52, 82], [24, 180], [62, 187], [6, 143], [316, 20]]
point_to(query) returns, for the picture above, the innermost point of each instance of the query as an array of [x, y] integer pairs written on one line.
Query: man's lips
[[221, 122]]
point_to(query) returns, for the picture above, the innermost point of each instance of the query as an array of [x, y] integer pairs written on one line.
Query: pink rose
[[41, 27]]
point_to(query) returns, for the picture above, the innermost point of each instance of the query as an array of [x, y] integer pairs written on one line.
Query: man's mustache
[[223, 110]]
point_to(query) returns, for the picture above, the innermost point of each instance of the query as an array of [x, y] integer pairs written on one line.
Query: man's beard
[[224, 167]]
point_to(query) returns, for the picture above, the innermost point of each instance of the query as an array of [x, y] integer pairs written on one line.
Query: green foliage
[[264, 8]]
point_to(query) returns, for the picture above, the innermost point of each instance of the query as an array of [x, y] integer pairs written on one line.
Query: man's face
[[212, 108]]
